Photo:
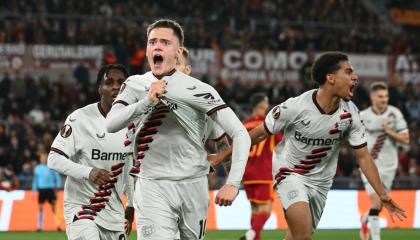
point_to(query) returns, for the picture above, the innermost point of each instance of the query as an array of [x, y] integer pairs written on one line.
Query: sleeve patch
[[276, 112], [66, 131]]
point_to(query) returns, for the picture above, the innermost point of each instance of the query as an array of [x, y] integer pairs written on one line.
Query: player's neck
[[104, 108], [326, 101], [378, 110]]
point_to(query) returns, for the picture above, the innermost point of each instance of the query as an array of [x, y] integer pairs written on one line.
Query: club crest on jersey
[[276, 112], [65, 131]]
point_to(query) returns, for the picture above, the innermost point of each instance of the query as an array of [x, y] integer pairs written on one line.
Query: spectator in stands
[[8, 179]]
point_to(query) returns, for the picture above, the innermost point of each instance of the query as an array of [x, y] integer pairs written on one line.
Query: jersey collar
[[170, 73], [319, 107]]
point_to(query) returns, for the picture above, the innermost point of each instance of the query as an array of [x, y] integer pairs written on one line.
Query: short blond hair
[[375, 86]]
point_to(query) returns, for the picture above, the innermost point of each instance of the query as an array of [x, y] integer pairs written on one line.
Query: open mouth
[[157, 60]]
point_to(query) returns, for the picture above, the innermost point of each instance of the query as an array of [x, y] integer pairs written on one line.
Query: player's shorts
[[259, 193], [292, 190], [47, 194], [163, 207], [387, 177], [85, 229]]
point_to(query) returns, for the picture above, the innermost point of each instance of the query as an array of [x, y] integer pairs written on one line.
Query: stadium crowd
[[32, 109]]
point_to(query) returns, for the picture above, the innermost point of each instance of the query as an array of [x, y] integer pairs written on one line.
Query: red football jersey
[[259, 167]]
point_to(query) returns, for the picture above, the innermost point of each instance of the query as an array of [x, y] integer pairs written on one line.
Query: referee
[[46, 182]]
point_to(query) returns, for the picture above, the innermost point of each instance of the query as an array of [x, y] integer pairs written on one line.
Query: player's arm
[[370, 170], [400, 136], [35, 181], [129, 193], [230, 123]]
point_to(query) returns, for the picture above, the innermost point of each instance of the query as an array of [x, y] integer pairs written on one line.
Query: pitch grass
[[388, 234]]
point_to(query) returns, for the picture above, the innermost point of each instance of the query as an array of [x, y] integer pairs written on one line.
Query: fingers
[[101, 176], [157, 90]]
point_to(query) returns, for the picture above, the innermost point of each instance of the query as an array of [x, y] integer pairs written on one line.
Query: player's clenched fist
[[226, 195], [100, 176], [157, 90]]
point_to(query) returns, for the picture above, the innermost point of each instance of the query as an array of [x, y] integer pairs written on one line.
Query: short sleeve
[[357, 135], [401, 124], [279, 117]]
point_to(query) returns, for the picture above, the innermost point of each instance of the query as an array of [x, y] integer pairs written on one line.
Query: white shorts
[[292, 190], [85, 229], [387, 177], [165, 207]]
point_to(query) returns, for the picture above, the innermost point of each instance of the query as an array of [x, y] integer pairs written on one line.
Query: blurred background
[[51, 50]]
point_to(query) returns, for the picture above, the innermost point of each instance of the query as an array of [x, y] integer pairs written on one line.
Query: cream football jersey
[[381, 147], [312, 138], [84, 140], [170, 136]]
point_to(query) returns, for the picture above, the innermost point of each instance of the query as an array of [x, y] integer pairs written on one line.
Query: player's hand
[[128, 221], [157, 90], [100, 176], [226, 195], [393, 208], [216, 159], [385, 124]]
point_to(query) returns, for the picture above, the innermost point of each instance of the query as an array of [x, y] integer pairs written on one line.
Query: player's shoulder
[[299, 103], [350, 106], [393, 109], [139, 80], [367, 111], [79, 115]]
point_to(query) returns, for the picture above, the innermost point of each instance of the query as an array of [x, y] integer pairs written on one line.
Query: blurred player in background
[[258, 177], [315, 124], [96, 164], [172, 190], [46, 182], [385, 128]]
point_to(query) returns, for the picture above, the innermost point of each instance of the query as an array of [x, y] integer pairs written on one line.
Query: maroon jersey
[[259, 167]]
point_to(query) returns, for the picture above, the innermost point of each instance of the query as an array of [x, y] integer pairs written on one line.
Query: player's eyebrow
[[349, 70]]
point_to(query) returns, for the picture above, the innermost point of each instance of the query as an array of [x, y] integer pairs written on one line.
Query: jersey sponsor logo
[[276, 112], [205, 95], [97, 154], [66, 131], [192, 88], [315, 141]]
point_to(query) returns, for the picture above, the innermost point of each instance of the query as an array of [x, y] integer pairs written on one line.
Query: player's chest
[[324, 126], [375, 122]]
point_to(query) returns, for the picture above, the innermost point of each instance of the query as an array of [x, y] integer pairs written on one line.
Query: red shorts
[[259, 193]]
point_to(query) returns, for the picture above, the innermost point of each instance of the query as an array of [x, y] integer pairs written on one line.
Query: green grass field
[[400, 234]]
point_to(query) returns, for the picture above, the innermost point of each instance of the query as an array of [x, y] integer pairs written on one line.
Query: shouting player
[[315, 124], [385, 128], [96, 164], [172, 191]]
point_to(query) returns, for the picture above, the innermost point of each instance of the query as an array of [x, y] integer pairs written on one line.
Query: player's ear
[[188, 69], [330, 78]]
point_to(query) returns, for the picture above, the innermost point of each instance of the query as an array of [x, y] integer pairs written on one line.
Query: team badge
[[276, 112], [65, 131]]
